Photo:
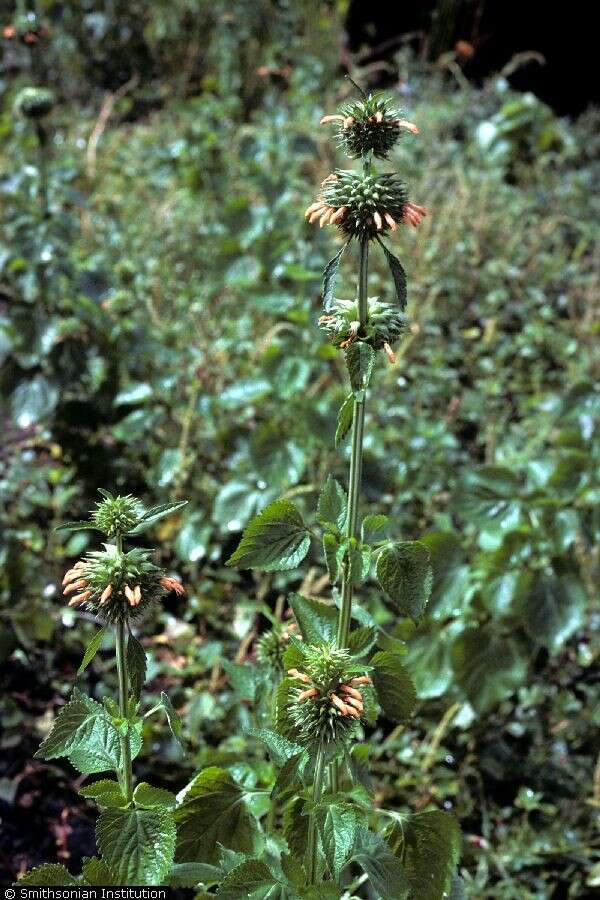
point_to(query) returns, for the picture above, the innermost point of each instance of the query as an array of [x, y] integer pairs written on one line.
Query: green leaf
[[404, 572], [361, 640], [49, 875], [398, 274], [333, 504], [137, 844], [252, 879], [393, 686], [317, 621], [213, 812], [373, 528], [295, 827], [82, 525], [289, 774], [331, 546], [337, 828], [451, 578], [383, 868], [244, 679], [173, 719], [136, 665], [344, 419], [155, 514], [105, 792], [429, 659], [192, 874], [430, 851], [145, 796], [488, 666], [274, 541], [84, 732], [490, 497], [359, 359], [279, 747], [91, 650], [96, 873], [329, 276], [554, 609]]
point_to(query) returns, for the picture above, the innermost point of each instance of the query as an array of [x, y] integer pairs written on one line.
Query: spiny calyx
[[371, 125], [116, 515], [385, 324], [327, 702], [363, 205], [271, 646], [118, 585]]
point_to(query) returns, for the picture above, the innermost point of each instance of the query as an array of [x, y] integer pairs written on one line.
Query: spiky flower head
[[370, 125], [118, 585], [364, 204], [385, 323], [323, 701], [34, 102], [116, 515], [271, 646]]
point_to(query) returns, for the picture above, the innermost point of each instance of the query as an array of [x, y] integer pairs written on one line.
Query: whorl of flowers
[[34, 102], [326, 703], [117, 585], [116, 515], [385, 323], [371, 125], [271, 646], [364, 204]]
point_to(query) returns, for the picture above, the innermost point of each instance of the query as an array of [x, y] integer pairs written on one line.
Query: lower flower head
[[117, 585], [385, 323]]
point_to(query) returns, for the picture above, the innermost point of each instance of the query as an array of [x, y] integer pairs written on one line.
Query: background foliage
[[158, 335]]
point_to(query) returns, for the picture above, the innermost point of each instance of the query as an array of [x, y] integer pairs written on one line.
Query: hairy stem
[[311, 839], [356, 456], [126, 775]]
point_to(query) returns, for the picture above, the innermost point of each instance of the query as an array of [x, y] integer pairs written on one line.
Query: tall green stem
[[356, 458], [311, 838], [126, 772]]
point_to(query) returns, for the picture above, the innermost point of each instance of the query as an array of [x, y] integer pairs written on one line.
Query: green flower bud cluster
[[385, 323], [34, 102], [271, 646], [116, 515], [370, 125], [118, 585], [373, 202]]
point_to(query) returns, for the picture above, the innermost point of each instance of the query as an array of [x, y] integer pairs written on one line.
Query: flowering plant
[[337, 670], [135, 832]]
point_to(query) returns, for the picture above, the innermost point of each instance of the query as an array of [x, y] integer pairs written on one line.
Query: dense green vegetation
[[158, 335]]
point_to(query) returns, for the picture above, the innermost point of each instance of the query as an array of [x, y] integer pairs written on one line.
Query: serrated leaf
[[337, 829], [96, 873], [373, 528], [274, 541], [344, 419], [331, 546], [155, 514], [82, 525], [361, 640], [488, 666], [213, 812], [360, 358], [333, 504], [49, 875], [136, 665], [91, 650], [289, 774], [383, 868], [329, 276], [145, 796], [316, 620], [398, 274], [84, 732], [430, 850], [244, 679], [105, 792], [553, 609], [278, 746], [405, 574], [192, 874], [137, 845], [295, 827], [393, 686]]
